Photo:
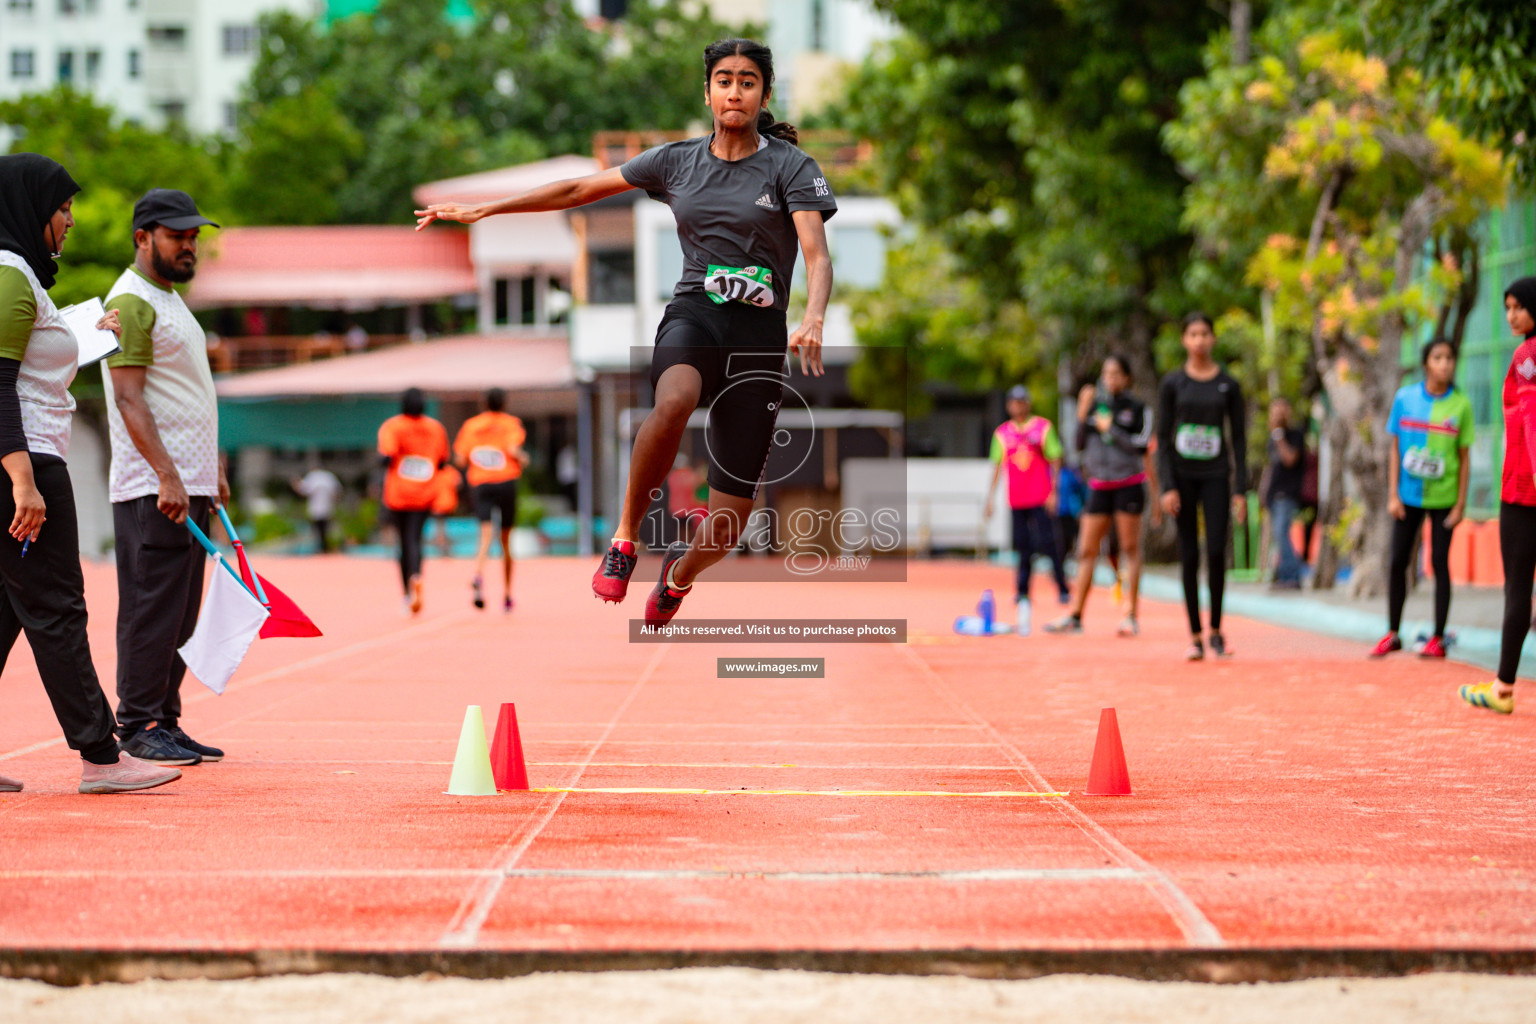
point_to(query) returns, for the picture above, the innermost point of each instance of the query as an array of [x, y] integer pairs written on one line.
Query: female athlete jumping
[[744, 197]]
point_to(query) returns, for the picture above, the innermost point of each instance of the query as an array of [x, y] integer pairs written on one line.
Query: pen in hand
[[24, 545]]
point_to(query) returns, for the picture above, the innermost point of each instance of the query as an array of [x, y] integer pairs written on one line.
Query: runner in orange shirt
[[414, 447], [490, 448]]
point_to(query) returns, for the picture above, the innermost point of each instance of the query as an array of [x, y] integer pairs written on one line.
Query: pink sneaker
[[126, 776], [9, 785]]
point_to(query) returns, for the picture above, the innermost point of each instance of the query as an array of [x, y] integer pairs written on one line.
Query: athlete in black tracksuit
[[1202, 438]]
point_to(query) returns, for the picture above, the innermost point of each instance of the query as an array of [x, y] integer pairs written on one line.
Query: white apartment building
[[813, 41], [155, 61]]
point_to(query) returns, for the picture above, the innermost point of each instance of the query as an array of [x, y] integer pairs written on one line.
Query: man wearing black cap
[[164, 426]]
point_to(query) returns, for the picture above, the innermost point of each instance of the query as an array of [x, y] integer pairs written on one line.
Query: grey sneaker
[[1065, 624], [157, 745], [126, 776], [9, 785]]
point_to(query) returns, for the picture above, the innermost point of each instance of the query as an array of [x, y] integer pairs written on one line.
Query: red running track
[[1297, 795]]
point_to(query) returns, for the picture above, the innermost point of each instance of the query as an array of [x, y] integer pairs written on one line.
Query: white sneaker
[[1022, 628]]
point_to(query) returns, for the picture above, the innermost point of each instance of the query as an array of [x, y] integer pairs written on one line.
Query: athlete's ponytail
[[766, 125], [760, 55]]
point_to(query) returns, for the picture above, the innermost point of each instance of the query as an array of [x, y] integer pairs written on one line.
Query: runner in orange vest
[[490, 448], [414, 447]]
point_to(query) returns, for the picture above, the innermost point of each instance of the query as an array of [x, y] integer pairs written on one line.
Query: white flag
[[226, 628]]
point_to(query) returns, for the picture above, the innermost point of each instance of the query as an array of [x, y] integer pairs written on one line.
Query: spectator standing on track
[[1287, 448], [42, 588], [1113, 432], [1203, 444], [414, 446], [1431, 429], [321, 491], [163, 421], [1517, 506], [1026, 447], [490, 448]]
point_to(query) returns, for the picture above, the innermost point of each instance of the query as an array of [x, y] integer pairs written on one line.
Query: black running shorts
[[498, 497], [1130, 500], [739, 352]]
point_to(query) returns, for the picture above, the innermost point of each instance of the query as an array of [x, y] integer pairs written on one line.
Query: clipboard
[[95, 345]]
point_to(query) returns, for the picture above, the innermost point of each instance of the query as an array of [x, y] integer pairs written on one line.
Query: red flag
[[286, 619]]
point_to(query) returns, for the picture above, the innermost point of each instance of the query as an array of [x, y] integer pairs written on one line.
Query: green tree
[[930, 322], [1386, 179], [1026, 137], [1478, 58], [114, 162], [263, 184], [433, 98]]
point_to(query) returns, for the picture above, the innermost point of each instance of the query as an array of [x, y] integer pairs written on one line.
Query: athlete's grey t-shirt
[[734, 213]]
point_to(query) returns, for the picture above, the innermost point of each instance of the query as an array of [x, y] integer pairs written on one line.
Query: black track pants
[[1214, 494], [1517, 543], [1403, 533], [409, 523]]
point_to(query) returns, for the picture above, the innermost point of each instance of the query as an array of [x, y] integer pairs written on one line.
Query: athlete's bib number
[[752, 285], [1194, 441], [490, 459], [1424, 464], [417, 468]]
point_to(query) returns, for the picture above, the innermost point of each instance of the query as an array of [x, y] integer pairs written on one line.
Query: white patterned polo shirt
[[47, 368], [161, 335]]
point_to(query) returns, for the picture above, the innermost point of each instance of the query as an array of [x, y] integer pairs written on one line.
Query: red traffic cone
[[1108, 775], [507, 765]]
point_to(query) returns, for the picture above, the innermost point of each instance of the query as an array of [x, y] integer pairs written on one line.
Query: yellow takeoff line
[[657, 791]]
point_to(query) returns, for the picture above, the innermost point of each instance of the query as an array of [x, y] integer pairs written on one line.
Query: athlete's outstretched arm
[[557, 195], [806, 339]]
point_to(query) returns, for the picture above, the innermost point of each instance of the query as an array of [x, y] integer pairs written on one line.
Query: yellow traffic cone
[[472, 763]]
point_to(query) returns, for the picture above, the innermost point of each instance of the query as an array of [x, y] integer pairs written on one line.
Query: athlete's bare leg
[[1128, 529], [484, 551], [677, 395], [716, 536], [506, 558], [1094, 529]]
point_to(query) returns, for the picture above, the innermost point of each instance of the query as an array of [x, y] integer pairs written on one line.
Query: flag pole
[[208, 546], [234, 538]]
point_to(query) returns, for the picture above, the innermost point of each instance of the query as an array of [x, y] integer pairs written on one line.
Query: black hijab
[[32, 188], [1524, 291]]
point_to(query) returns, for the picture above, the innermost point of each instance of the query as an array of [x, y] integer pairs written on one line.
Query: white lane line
[[1197, 928], [590, 874], [464, 928], [359, 647], [978, 875]]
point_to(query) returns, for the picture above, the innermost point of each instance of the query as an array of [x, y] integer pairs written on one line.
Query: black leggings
[[409, 522], [1404, 531], [1034, 533], [1215, 495], [1517, 543]]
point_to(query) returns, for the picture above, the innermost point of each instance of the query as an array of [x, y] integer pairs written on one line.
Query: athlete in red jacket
[[1517, 512]]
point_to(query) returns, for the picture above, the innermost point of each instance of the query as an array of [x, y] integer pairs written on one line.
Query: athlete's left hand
[[807, 342], [223, 501], [1454, 516], [110, 323], [1240, 507]]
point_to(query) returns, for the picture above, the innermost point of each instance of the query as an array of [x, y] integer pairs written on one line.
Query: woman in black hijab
[[42, 589]]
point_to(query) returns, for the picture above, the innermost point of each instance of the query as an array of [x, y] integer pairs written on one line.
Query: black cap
[[170, 208]]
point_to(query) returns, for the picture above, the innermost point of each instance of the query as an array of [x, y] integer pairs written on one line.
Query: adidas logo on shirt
[[766, 202]]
